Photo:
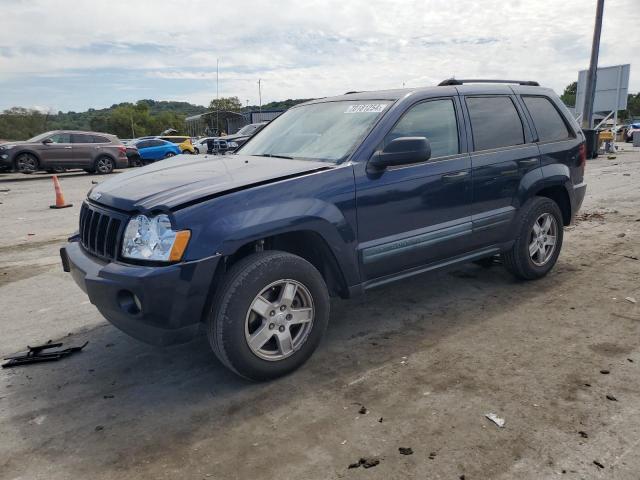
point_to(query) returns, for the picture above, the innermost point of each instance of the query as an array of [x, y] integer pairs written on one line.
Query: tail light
[[582, 153], [122, 150]]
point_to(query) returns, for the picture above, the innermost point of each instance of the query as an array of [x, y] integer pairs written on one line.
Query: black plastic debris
[[405, 450], [41, 353], [612, 398], [605, 372], [598, 464], [363, 410], [583, 434], [366, 462], [432, 455]]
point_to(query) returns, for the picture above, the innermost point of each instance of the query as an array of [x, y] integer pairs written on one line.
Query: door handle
[[528, 162], [455, 177], [68, 147]]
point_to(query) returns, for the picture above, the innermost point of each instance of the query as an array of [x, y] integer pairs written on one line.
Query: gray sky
[[72, 55]]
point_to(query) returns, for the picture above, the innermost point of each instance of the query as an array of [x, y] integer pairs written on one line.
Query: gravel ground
[[417, 364]]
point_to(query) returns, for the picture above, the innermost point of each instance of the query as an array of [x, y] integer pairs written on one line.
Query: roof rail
[[455, 81], [353, 91]]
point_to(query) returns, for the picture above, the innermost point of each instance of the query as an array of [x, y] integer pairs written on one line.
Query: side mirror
[[401, 151], [47, 141]]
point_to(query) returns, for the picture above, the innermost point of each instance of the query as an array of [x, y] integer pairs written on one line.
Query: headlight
[[232, 145], [152, 238], [6, 147]]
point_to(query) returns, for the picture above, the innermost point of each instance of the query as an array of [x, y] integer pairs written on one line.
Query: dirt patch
[[14, 274], [610, 349], [30, 245]]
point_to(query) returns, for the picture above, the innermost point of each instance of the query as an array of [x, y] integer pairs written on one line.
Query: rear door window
[[435, 120], [81, 138], [495, 122], [99, 139], [547, 120]]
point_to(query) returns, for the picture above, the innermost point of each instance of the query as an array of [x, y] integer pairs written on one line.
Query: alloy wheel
[[542, 239], [279, 320]]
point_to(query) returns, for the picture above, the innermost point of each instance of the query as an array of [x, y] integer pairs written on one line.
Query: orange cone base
[[61, 206]]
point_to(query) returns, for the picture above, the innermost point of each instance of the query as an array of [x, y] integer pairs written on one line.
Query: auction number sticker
[[366, 108]]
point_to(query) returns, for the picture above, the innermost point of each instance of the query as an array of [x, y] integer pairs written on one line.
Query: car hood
[[184, 179]]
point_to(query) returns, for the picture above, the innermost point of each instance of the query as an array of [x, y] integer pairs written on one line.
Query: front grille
[[100, 231]]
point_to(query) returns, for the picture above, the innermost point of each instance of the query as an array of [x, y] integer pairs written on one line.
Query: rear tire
[[538, 242], [104, 165], [169, 155], [26, 163], [294, 304]]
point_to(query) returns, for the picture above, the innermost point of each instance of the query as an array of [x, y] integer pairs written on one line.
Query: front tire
[[26, 163], [269, 315], [169, 155], [538, 242]]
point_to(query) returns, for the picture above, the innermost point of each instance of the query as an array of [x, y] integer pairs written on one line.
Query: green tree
[[226, 104], [569, 95]]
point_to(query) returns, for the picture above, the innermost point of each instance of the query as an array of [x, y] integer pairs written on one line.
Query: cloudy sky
[[72, 55]]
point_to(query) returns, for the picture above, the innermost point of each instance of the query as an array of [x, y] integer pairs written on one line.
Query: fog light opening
[[129, 302]]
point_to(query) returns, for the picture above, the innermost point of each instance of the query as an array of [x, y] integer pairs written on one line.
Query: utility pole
[[217, 95], [590, 89], [260, 93], [133, 132]]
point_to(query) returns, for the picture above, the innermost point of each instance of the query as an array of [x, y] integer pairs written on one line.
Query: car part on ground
[[38, 354]]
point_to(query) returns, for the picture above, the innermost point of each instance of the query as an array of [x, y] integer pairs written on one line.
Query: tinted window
[[157, 143], [494, 122], [548, 122], [435, 120], [143, 144], [81, 138], [61, 138], [98, 139]]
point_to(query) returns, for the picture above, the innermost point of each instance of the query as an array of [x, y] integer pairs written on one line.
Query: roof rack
[[455, 81]]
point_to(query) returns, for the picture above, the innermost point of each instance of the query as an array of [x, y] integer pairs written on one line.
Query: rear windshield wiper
[[273, 156]]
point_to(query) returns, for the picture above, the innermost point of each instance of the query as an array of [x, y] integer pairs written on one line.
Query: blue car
[[152, 149]]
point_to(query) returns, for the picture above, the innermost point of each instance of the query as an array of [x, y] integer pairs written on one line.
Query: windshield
[[320, 131], [39, 138], [246, 130]]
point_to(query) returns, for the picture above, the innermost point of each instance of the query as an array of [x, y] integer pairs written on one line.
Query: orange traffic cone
[[59, 195]]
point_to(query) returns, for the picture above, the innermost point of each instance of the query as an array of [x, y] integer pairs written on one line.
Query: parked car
[[631, 129], [153, 149], [64, 149], [183, 142], [220, 145], [133, 155], [239, 138], [336, 197]]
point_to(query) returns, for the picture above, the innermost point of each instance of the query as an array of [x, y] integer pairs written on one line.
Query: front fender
[[323, 203]]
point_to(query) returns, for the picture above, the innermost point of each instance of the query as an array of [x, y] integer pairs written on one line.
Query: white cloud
[[309, 48]]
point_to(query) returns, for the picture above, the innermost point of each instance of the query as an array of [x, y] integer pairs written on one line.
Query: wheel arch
[[307, 244]]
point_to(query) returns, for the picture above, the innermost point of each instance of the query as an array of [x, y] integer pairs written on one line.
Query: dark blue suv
[[334, 197]]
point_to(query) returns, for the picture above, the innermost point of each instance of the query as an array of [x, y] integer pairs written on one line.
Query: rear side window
[[549, 124], [81, 138], [99, 139], [495, 122], [435, 120]]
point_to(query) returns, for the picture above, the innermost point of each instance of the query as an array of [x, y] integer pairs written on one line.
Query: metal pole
[[260, 93], [590, 90], [217, 95]]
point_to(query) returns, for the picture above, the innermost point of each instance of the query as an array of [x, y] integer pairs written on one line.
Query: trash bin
[[592, 142]]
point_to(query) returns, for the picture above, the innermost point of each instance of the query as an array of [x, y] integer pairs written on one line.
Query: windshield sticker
[[366, 108]]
